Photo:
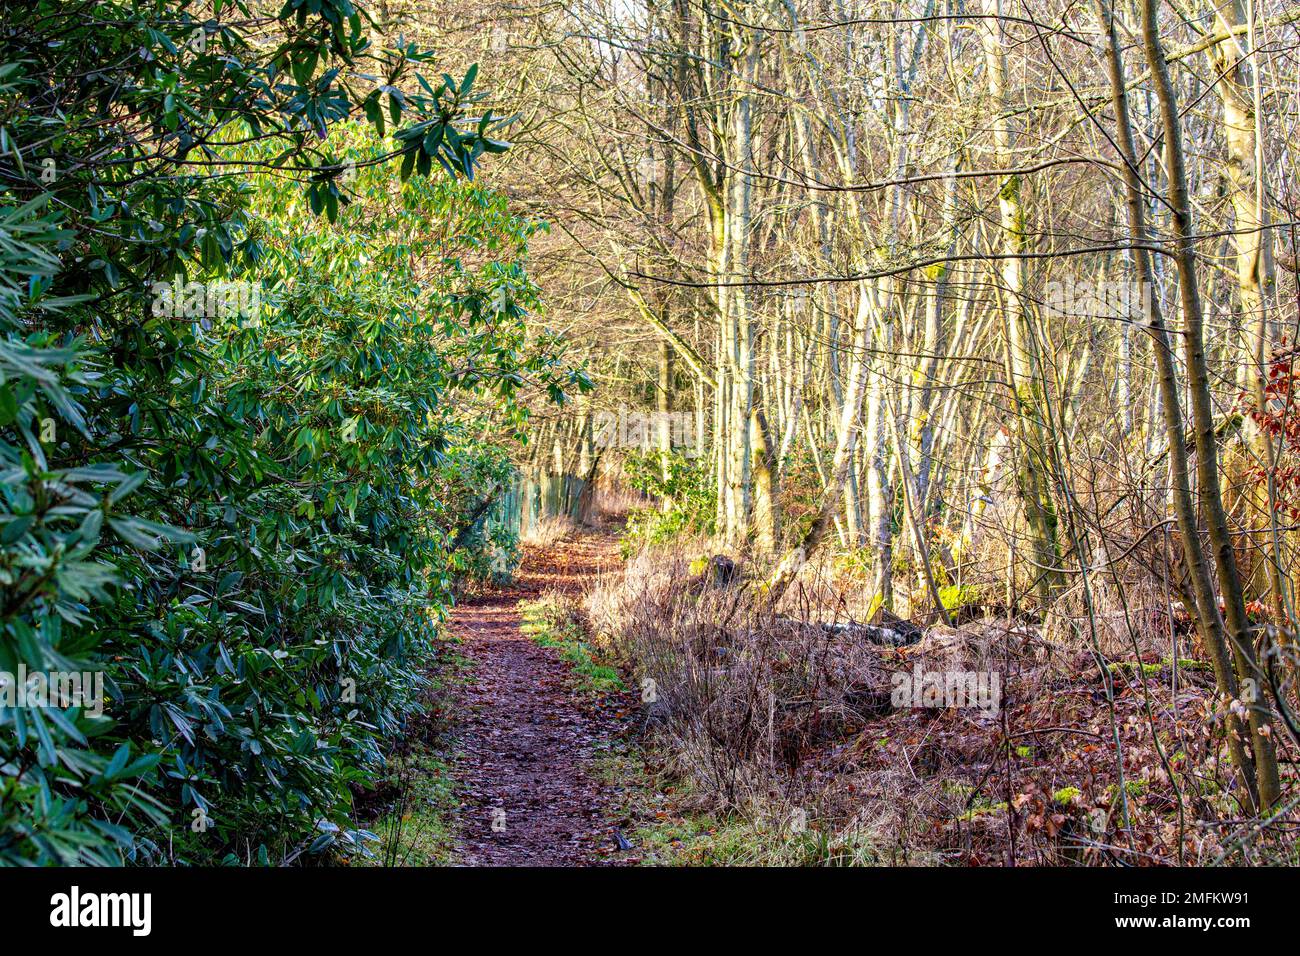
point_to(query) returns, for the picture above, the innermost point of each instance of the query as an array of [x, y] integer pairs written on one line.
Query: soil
[[529, 737]]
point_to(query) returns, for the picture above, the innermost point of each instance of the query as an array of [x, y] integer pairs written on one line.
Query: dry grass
[[759, 711], [740, 692], [612, 502], [1106, 747], [548, 531]]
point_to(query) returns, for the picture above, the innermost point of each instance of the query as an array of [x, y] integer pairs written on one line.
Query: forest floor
[[531, 738], [532, 754]]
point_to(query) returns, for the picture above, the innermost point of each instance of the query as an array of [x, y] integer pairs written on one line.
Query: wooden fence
[[532, 497]]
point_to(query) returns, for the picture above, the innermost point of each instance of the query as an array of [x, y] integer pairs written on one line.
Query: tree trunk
[[1207, 458], [1023, 368]]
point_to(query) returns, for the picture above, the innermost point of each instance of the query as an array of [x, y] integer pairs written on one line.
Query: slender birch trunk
[[1240, 638], [1023, 367]]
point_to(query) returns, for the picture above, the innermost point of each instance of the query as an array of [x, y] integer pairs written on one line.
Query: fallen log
[[898, 634]]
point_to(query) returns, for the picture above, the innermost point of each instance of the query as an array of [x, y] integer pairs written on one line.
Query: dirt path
[[527, 738]]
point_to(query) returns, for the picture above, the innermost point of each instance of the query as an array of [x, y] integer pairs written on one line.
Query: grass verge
[[665, 831], [551, 622], [414, 804]]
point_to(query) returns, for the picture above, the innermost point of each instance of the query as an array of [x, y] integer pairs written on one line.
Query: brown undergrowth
[[1092, 756]]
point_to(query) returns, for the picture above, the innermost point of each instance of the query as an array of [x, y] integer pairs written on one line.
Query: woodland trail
[[528, 737]]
